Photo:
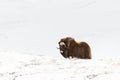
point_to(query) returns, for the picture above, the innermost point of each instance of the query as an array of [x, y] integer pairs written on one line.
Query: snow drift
[[19, 66]]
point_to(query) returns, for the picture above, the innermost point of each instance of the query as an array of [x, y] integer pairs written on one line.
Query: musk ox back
[[69, 48]]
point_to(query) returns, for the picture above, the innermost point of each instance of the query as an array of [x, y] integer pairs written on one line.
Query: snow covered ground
[[20, 66]]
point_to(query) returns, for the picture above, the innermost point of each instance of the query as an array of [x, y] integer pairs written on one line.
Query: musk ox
[[69, 48]]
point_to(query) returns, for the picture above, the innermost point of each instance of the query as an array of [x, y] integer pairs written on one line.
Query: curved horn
[[62, 44]]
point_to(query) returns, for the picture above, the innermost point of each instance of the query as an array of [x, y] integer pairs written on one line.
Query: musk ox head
[[64, 45], [69, 48]]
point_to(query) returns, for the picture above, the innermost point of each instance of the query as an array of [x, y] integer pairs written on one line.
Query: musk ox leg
[[70, 57]]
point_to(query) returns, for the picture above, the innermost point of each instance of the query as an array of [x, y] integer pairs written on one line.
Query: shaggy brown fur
[[69, 48]]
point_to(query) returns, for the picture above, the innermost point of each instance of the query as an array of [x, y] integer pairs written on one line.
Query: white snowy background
[[30, 31]]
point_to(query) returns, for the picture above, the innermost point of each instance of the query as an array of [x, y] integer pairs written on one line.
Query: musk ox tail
[[86, 50]]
